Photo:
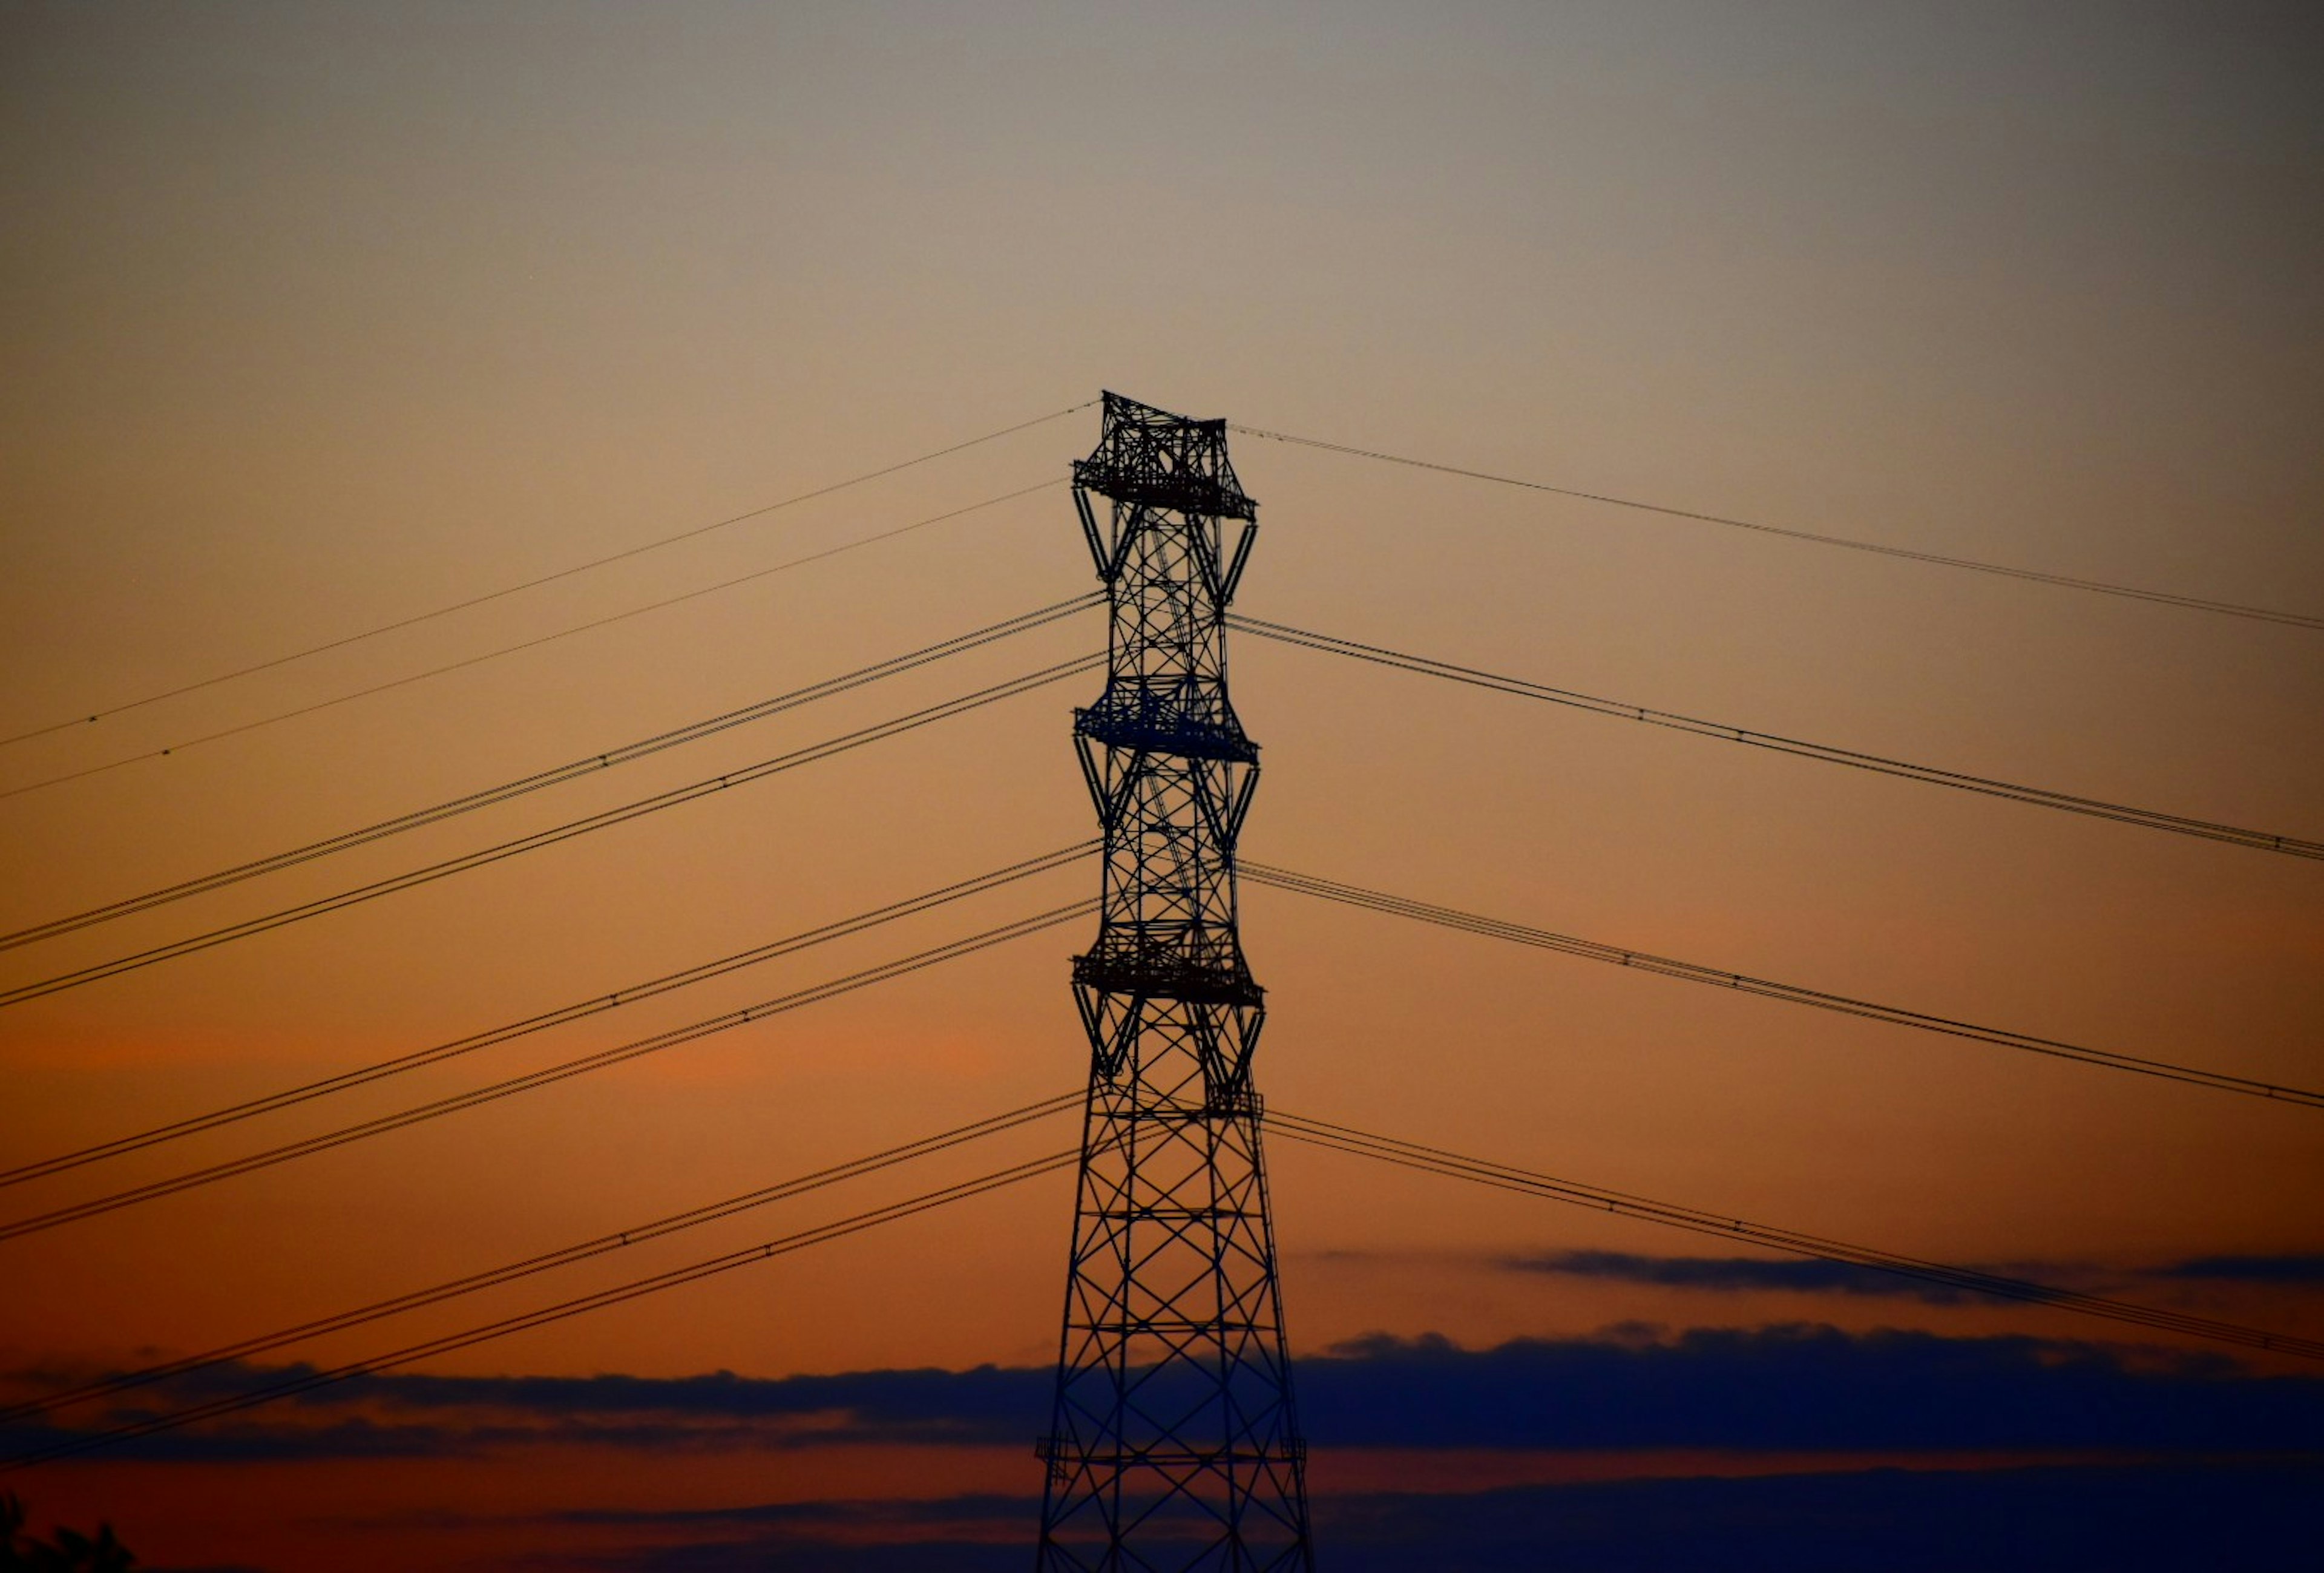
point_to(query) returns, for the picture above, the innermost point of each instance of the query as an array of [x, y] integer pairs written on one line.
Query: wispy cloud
[[2289, 1270], [1791, 1275], [1734, 1274]]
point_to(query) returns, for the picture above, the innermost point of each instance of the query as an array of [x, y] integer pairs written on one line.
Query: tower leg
[[1175, 1432]]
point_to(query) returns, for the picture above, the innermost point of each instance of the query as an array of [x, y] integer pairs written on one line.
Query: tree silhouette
[[70, 1552]]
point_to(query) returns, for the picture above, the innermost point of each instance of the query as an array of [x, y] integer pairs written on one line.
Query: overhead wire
[[522, 644], [1692, 972], [2040, 797], [543, 1021], [619, 1054], [588, 764], [2064, 581], [1508, 1176], [562, 573], [545, 1260], [467, 862], [578, 1305], [1340, 1138], [1326, 1135]]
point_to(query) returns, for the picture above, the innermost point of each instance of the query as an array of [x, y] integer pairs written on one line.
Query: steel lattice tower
[[1174, 1442]]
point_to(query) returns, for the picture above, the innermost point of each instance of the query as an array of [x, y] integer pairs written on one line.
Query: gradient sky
[[318, 317]]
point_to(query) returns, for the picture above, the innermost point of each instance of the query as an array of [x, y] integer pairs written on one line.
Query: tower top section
[[1148, 457]]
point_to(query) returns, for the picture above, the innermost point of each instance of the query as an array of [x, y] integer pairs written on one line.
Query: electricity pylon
[[1174, 1442]]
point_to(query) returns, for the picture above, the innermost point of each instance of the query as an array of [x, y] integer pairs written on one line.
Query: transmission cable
[[1792, 993], [307, 1382], [2066, 581], [2041, 797], [539, 838], [1312, 1132], [546, 1260], [589, 764], [550, 638], [536, 583], [1507, 1177], [550, 1075], [379, 1070]]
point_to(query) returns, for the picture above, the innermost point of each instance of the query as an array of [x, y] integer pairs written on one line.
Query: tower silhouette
[[1174, 1442]]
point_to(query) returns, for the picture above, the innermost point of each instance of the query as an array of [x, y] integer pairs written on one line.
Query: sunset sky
[[322, 317]]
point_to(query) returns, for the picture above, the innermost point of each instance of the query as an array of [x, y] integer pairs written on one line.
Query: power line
[[577, 1305], [550, 638], [2065, 581], [546, 1260], [548, 1076], [1692, 972], [536, 583], [1313, 1133], [589, 764], [2041, 797], [379, 1070], [1507, 1177], [539, 838]]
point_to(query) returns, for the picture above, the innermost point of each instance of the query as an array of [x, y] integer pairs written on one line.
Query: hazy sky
[[319, 317]]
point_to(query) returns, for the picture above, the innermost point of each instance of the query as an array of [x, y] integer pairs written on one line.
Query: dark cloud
[[1733, 1274], [1804, 1387], [420, 1415], [986, 1403], [784, 1553], [2274, 1270], [969, 1533], [828, 1517], [259, 1438], [2130, 1519], [1800, 1387], [1750, 1274]]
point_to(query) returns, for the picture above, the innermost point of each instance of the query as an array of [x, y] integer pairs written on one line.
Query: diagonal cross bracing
[[1174, 1442]]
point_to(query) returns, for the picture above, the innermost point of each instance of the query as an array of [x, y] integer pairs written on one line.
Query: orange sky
[[321, 317]]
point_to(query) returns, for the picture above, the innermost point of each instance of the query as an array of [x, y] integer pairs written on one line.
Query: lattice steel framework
[[1174, 1442]]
